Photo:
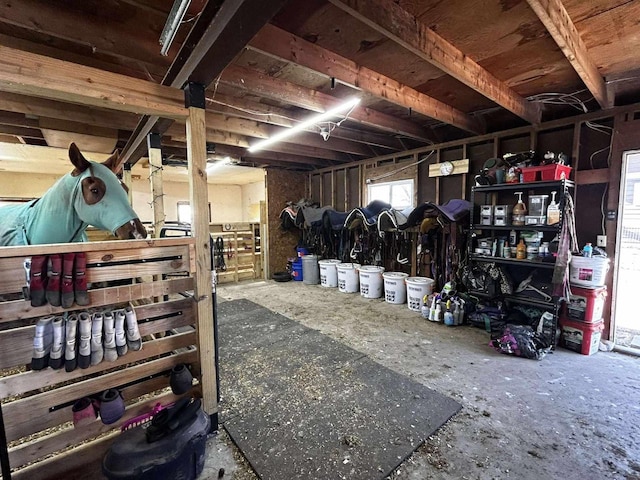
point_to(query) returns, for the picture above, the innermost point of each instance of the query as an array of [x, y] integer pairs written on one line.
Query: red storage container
[[586, 304], [545, 173], [580, 336]]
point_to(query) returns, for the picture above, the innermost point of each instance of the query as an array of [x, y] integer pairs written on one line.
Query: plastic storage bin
[[586, 304], [580, 336], [588, 271]]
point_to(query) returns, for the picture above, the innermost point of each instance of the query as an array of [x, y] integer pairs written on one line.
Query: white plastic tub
[[348, 279], [417, 288], [588, 271], [328, 272], [395, 290], [371, 281]]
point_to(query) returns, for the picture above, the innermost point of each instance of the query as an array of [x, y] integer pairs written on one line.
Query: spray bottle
[[432, 310], [519, 211], [553, 211], [424, 309], [438, 312], [448, 316]]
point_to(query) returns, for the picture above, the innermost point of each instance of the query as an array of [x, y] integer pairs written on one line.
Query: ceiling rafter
[[278, 43], [39, 76], [254, 81], [392, 21], [556, 20]]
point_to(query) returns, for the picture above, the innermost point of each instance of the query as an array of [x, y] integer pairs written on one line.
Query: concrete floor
[[567, 416]]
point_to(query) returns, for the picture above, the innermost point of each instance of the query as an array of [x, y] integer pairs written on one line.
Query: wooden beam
[[155, 177], [217, 36], [555, 18], [24, 132], [391, 20], [257, 82], [276, 42], [40, 76], [589, 177], [199, 198]]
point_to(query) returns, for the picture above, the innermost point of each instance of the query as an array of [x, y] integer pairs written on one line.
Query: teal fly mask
[[90, 195]]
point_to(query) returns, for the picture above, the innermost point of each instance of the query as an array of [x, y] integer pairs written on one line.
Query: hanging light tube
[[350, 104], [173, 23]]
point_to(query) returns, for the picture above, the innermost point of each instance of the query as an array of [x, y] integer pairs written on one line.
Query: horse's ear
[[77, 159], [112, 162]]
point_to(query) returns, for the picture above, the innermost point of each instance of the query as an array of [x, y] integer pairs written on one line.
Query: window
[[184, 212], [399, 193]]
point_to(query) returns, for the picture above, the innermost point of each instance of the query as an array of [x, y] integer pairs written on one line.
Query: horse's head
[[104, 203]]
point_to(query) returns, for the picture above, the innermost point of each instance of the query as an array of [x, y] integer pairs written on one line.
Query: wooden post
[[198, 195], [264, 245], [128, 181], [155, 178]]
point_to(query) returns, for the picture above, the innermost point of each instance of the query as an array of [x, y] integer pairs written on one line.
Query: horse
[[91, 194]]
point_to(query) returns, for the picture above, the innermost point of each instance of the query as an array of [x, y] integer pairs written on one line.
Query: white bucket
[[328, 272], [394, 288], [348, 280], [371, 281], [588, 272], [417, 288]]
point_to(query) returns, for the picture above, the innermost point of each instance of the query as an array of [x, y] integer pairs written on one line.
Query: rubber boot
[[111, 406], [84, 412], [97, 351], [42, 341], [53, 280], [121, 339], [84, 345], [66, 288], [71, 352], [133, 333], [56, 359], [181, 379], [38, 280], [80, 280], [110, 352]]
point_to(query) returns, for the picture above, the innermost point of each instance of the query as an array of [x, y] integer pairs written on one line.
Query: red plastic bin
[[545, 173], [581, 337], [586, 304]]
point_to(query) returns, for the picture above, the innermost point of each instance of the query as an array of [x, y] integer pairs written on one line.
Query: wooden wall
[[282, 186], [596, 173]]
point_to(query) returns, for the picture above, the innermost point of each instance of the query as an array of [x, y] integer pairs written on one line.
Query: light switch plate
[[602, 240]]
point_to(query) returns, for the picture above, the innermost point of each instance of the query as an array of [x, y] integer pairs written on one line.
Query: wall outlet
[[602, 240]]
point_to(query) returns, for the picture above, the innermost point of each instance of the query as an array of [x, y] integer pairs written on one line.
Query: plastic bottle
[[513, 237], [506, 251], [432, 310], [519, 211], [457, 317], [587, 251], [553, 211], [437, 313], [448, 316], [521, 251]]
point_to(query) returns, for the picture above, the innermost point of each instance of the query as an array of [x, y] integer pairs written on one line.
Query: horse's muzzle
[[131, 230]]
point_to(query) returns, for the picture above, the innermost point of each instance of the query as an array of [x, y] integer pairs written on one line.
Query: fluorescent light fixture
[[306, 124], [173, 23]]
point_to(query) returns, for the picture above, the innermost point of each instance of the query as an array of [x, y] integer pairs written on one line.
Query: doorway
[[627, 268]]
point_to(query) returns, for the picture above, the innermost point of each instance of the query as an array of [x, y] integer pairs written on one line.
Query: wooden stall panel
[[36, 401], [353, 188], [340, 191]]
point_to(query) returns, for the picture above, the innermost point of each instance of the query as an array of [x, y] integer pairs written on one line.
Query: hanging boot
[[110, 351], [80, 279], [84, 344], [133, 333], [42, 342], [53, 280], [38, 280], [97, 351], [121, 339], [67, 280], [56, 359], [70, 353]]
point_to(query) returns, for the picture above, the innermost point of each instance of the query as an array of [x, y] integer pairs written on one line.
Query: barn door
[[627, 266]]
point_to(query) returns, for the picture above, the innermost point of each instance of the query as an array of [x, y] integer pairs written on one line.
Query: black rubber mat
[[300, 405]]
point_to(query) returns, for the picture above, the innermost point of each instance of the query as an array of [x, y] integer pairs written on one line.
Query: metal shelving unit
[[490, 194]]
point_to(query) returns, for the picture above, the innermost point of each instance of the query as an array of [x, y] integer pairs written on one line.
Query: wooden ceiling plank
[[24, 132], [40, 76], [254, 81], [244, 108], [392, 21], [555, 18], [281, 44]]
